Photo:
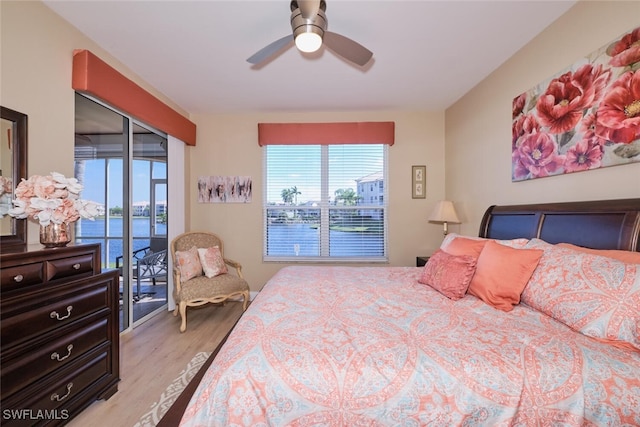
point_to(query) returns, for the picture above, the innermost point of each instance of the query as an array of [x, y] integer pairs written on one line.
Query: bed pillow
[[465, 246], [513, 243], [595, 295], [502, 273], [212, 262], [624, 256], [188, 264], [449, 274]]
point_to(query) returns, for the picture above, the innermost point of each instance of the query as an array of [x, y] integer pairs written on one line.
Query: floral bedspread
[[356, 346]]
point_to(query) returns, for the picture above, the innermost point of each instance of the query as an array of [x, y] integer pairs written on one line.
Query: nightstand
[[421, 261]]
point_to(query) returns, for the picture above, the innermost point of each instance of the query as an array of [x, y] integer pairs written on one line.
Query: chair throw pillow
[[448, 274], [188, 264], [212, 261]]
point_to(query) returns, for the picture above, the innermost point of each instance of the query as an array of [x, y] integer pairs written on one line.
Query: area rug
[[159, 408]]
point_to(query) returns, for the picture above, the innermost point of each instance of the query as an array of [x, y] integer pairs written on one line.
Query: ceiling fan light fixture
[[308, 33], [308, 42], [309, 27]]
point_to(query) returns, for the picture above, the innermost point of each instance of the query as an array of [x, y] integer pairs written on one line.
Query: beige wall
[[36, 58], [228, 145], [478, 126], [36, 48]]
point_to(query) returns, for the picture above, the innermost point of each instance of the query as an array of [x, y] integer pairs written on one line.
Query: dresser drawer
[[31, 363], [21, 276], [59, 335], [68, 267], [37, 269], [52, 398], [32, 314]]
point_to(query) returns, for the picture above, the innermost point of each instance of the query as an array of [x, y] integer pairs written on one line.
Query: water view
[[293, 239], [303, 239], [88, 231]]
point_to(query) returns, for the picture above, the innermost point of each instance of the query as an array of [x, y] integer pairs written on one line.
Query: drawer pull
[[56, 356], [55, 315], [76, 266], [58, 398], [18, 278]]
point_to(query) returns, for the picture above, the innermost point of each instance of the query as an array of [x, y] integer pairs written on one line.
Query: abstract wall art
[[224, 189]]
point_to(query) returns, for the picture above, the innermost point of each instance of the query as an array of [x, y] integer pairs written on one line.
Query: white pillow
[[212, 261]]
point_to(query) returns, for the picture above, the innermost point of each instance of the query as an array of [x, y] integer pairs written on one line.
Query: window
[[325, 203]]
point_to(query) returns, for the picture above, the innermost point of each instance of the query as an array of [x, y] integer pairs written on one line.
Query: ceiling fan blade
[[309, 8], [347, 48], [271, 49]]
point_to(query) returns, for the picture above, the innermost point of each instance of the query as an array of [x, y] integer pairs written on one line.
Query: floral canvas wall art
[[586, 117]]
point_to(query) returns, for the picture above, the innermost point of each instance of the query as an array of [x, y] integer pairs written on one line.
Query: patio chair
[[200, 289], [152, 266], [147, 265]]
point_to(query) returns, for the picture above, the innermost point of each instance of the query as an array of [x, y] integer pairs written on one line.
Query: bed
[[349, 346]]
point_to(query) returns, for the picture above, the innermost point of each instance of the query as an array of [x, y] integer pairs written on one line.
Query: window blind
[[325, 202]]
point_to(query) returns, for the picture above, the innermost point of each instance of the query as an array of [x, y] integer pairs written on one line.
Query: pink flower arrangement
[[51, 199]]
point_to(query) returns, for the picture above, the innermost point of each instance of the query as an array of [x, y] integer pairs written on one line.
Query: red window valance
[[95, 77], [326, 133]]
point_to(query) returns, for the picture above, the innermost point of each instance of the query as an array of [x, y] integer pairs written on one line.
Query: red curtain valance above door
[[95, 77], [326, 133]]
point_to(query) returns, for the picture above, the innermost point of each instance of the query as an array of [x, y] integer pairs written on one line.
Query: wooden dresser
[[59, 348]]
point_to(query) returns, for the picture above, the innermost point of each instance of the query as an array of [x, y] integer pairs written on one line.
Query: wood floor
[[152, 356]]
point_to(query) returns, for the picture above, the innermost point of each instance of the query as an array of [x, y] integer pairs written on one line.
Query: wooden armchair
[[201, 289]]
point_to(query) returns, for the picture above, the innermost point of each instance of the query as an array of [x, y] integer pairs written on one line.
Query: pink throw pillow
[[465, 246], [502, 273], [212, 261], [448, 274], [598, 296], [188, 264]]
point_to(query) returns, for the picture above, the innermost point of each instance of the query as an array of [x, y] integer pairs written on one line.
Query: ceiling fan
[[309, 26]]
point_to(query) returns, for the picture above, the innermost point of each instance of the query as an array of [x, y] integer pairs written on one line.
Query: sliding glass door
[[123, 167]]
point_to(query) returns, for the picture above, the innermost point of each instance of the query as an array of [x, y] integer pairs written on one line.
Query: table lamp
[[444, 213]]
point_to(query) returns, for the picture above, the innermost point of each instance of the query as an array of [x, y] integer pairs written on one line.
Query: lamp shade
[[444, 212]]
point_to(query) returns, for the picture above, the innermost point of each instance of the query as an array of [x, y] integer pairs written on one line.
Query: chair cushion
[[212, 261], [203, 287]]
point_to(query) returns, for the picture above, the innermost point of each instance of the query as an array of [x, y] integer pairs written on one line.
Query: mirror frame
[[19, 166]]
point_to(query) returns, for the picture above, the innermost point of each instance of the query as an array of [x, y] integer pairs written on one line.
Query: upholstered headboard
[[602, 224]]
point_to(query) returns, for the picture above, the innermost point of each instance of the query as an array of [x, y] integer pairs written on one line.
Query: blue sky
[[289, 166], [300, 166], [94, 180]]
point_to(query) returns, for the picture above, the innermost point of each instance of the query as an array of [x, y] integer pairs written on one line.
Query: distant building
[[161, 207], [140, 209], [371, 192]]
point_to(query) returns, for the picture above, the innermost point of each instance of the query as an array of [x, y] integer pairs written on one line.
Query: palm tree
[[348, 196], [286, 195], [295, 192]]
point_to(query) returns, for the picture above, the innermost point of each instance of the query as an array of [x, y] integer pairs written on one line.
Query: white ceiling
[[426, 54]]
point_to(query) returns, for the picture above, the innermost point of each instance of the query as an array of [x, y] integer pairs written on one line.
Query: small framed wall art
[[418, 182]]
